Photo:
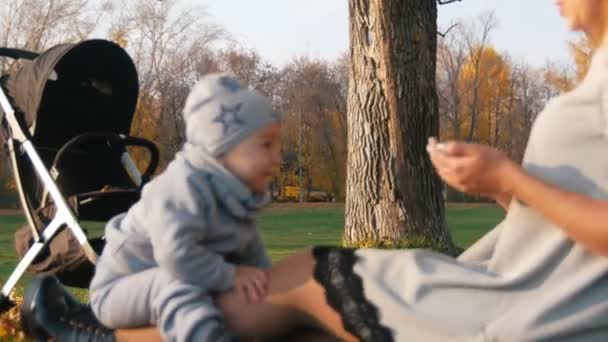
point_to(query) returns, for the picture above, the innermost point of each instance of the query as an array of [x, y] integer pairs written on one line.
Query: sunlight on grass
[[284, 230]]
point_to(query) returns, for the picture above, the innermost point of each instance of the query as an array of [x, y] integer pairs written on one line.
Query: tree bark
[[393, 195]]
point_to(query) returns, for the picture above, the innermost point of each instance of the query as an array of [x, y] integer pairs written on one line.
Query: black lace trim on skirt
[[345, 294]]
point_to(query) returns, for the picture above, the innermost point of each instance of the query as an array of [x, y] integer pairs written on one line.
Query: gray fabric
[[220, 113], [526, 280], [175, 306], [194, 222]]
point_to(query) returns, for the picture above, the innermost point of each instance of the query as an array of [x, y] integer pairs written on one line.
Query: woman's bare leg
[[151, 334], [294, 300]]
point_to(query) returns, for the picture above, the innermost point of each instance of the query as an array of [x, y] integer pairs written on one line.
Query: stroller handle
[[154, 154], [17, 53], [118, 140]]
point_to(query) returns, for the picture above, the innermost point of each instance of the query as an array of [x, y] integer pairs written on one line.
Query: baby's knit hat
[[220, 113]]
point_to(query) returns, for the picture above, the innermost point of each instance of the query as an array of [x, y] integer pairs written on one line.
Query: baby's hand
[[250, 282]]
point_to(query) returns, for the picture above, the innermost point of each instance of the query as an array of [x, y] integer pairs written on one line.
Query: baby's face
[[256, 159]]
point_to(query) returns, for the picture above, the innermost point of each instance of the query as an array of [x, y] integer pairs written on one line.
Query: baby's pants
[[181, 311]]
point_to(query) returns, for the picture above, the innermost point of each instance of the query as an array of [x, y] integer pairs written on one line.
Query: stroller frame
[[63, 216], [20, 142]]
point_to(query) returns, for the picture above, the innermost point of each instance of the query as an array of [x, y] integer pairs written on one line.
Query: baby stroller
[[65, 118]]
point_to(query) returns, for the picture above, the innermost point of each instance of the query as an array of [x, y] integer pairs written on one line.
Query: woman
[[541, 274]]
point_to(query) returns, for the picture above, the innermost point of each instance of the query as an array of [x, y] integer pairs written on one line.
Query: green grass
[[285, 230]]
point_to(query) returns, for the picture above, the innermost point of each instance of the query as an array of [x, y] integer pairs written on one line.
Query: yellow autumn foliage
[[484, 82], [581, 50], [10, 323]]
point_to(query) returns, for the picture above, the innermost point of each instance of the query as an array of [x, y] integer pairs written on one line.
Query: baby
[[193, 232]]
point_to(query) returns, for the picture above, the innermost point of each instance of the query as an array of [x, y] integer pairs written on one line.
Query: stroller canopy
[[75, 88]]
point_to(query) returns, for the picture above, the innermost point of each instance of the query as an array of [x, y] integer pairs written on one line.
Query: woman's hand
[[474, 169]]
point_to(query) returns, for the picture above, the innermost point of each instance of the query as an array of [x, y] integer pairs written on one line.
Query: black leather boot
[[49, 310]]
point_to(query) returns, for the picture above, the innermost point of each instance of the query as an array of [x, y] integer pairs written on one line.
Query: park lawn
[[285, 230]]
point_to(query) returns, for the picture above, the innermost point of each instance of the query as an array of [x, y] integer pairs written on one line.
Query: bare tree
[[313, 100], [36, 25], [251, 68], [452, 54], [476, 44], [462, 52], [171, 46], [529, 102], [558, 78]]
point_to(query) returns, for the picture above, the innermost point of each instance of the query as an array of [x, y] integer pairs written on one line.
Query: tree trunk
[[393, 196]]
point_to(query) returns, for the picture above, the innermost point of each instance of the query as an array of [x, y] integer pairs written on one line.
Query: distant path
[[340, 205], [306, 205], [10, 212]]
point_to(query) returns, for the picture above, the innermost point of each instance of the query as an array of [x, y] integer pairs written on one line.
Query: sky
[[282, 29]]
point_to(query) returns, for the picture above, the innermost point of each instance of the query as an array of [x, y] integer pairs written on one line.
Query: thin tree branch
[[448, 30]]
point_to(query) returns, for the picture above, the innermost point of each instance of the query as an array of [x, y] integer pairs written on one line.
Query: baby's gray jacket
[[195, 220]]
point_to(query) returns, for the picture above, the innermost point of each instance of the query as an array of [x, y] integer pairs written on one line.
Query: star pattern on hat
[[229, 118]]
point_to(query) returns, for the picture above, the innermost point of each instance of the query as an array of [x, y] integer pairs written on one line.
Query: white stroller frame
[[19, 142]]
